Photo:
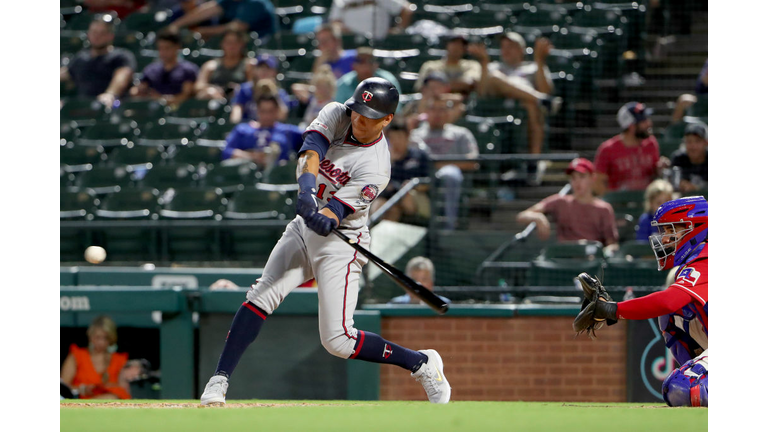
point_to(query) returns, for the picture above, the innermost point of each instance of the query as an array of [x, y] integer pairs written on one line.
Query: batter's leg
[[337, 268], [286, 268]]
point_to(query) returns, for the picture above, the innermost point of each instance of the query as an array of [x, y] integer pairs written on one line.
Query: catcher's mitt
[[593, 315]]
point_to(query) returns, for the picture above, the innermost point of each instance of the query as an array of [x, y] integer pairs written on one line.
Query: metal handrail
[[407, 187]]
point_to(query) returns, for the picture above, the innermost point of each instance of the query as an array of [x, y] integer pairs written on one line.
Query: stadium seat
[[129, 203], [79, 22], [192, 203], [699, 109], [232, 177], [137, 155], [634, 264], [287, 41], [140, 111], [105, 179], [74, 156], [166, 134], [66, 178], [108, 134], [254, 203], [193, 112], [562, 272], [635, 251], [170, 176], [75, 203], [133, 42], [68, 132], [401, 42], [283, 174], [581, 250], [541, 22], [626, 201], [82, 112], [195, 154], [214, 134], [146, 21], [72, 43]]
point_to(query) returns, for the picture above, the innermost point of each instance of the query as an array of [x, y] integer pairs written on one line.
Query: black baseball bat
[[408, 284]]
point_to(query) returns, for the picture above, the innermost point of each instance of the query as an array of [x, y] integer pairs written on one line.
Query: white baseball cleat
[[431, 376], [215, 391]]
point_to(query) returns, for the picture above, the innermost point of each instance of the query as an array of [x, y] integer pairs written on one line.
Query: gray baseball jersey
[[354, 174]]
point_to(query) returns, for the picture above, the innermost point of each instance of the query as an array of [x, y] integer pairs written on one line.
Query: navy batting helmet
[[374, 98]]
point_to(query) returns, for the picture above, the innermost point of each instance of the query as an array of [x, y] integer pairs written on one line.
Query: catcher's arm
[[596, 308]]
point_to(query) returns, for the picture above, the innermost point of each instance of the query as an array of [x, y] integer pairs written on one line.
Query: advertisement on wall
[[649, 361]]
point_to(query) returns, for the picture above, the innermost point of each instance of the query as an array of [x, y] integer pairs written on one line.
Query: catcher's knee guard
[[688, 385]]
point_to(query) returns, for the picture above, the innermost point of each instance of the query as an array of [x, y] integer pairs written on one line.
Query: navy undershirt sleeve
[[339, 209], [317, 142]]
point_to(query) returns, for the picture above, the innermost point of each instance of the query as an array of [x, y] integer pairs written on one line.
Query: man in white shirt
[[371, 18]]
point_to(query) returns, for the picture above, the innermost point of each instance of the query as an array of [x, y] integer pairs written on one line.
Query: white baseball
[[95, 254]]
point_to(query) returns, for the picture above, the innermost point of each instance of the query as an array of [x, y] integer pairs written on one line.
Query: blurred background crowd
[[181, 119]]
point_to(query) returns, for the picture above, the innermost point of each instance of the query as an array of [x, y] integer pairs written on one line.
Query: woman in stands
[[220, 77], [96, 372]]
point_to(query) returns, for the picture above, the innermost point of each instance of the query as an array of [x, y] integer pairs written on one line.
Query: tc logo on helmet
[[367, 96]]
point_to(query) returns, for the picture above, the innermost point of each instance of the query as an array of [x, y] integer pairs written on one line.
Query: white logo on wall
[[74, 303], [166, 281]]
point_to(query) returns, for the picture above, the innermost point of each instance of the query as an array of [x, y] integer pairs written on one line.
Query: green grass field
[[188, 416]]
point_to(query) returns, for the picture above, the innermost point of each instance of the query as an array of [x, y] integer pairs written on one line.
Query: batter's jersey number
[[321, 192]]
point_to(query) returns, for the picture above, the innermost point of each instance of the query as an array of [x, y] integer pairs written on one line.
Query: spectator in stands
[[692, 161], [102, 71], [422, 271], [122, 8], [407, 163], [435, 86], [462, 74], [630, 160], [365, 66], [244, 101], [264, 142], [241, 15], [180, 8], [331, 52], [320, 91], [96, 372], [440, 138], [578, 216], [168, 78], [219, 78], [656, 194], [701, 82], [371, 19], [514, 78], [684, 101]]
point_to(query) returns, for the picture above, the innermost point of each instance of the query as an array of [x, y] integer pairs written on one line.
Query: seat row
[[251, 203]]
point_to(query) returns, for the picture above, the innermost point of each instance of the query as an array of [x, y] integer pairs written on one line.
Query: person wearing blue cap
[[631, 159], [264, 78]]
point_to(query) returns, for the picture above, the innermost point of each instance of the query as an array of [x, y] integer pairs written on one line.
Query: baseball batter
[[682, 308], [343, 165]]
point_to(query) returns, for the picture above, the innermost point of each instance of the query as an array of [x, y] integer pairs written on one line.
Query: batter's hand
[[306, 206], [320, 224]]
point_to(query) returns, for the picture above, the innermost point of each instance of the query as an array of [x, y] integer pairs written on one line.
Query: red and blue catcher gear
[[688, 384], [685, 241]]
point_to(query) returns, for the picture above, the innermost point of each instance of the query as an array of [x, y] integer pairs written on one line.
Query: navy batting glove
[[321, 224], [306, 206]]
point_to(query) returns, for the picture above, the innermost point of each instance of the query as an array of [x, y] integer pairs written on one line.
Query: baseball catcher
[[682, 308]]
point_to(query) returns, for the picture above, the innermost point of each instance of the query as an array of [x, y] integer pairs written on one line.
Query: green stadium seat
[[192, 203], [68, 132], [146, 21], [302, 63], [77, 203], [352, 41], [79, 22], [195, 154], [283, 174], [253, 203], [568, 40], [699, 109], [108, 134], [488, 136], [132, 41], [285, 41], [105, 179], [71, 44], [630, 202], [635, 251], [561, 272], [169, 176], [214, 134], [599, 20], [74, 156], [82, 112], [166, 134], [129, 203], [66, 178], [402, 42], [581, 250], [193, 112], [137, 155], [634, 264], [543, 22], [140, 111], [232, 177]]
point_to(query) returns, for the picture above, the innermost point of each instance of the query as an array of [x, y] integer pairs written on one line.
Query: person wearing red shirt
[[682, 308], [579, 216], [629, 160]]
